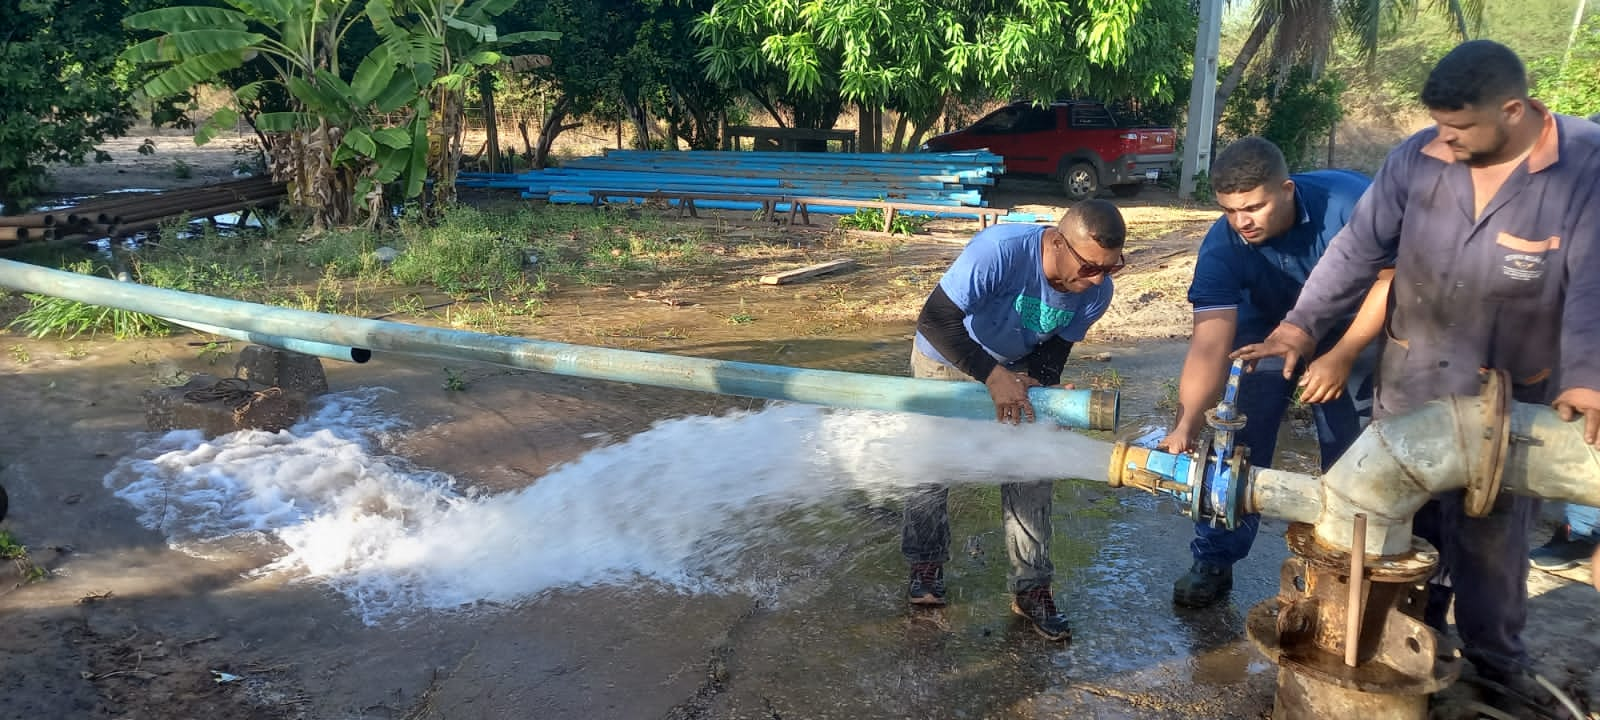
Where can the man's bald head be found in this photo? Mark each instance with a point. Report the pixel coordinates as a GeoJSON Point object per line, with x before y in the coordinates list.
{"type": "Point", "coordinates": [1096, 220]}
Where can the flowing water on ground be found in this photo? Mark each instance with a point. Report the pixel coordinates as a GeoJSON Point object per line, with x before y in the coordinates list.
{"type": "Point", "coordinates": [676, 504]}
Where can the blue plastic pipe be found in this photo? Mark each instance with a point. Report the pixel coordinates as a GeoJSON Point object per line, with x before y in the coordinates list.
{"type": "Point", "coordinates": [1095, 409]}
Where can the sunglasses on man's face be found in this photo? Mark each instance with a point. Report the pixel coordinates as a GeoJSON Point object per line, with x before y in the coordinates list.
{"type": "Point", "coordinates": [1088, 269]}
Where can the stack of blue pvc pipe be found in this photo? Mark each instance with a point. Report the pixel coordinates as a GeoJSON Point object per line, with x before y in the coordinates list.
{"type": "Point", "coordinates": [956, 178]}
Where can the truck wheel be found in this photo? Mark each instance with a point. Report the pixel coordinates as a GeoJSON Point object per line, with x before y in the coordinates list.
{"type": "Point", "coordinates": [1080, 181]}
{"type": "Point", "coordinates": [1128, 190]}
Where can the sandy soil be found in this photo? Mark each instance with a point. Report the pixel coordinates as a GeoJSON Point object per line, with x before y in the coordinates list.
{"type": "Point", "coordinates": [127, 628]}
{"type": "Point", "coordinates": [176, 162]}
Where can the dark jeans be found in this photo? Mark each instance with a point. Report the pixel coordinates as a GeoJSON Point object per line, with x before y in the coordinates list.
{"type": "Point", "coordinates": [1024, 508]}
{"type": "Point", "coordinates": [1483, 565]}
{"type": "Point", "coordinates": [1264, 396]}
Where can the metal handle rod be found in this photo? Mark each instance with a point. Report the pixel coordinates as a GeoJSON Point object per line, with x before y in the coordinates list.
{"type": "Point", "coordinates": [1358, 567]}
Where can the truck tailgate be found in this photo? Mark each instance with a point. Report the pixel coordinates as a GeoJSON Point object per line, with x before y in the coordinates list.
{"type": "Point", "coordinates": [1160, 141]}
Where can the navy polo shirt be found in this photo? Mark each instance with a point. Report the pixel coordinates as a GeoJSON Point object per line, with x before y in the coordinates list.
{"type": "Point", "coordinates": [1263, 281]}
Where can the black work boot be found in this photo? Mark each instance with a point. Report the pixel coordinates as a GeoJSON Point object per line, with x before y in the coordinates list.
{"type": "Point", "coordinates": [1038, 606]}
{"type": "Point", "coordinates": [927, 584]}
{"type": "Point", "coordinates": [1203, 586]}
{"type": "Point", "coordinates": [1563, 552]}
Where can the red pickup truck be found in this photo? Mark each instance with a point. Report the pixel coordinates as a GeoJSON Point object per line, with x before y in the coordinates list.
{"type": "Point", "coordinates": [1077, 142]}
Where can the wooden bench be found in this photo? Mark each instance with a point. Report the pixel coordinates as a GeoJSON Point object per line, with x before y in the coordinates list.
{"type": "Point", "coordinates": [891, 208]}
{"type": "Point", "coordinates": [686, 200]}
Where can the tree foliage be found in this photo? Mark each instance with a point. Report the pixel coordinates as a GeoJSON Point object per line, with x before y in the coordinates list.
{"type": "Point", "coordinates": [60, 94]}
{"type": "Point", "coordinates": [342, 148]}
{"type": "Point", "coordinates": [623, 59]}
{"type": "Point", "coordinates": [1571, 83]}
{"type": "Point", "coordinates": [913, 54]}
{"type": "Point", "coordinates": [1294, 111]}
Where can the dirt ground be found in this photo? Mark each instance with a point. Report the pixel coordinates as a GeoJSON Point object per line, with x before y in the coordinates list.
{"type": "Point", "coordinates": [126, 627]}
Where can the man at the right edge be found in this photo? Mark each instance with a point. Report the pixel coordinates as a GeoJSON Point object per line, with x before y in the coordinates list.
{"type": "Point", "coordinates": [1492, 216]}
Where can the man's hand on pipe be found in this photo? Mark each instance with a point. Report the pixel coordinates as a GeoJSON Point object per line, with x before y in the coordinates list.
{"type": "Point", "coordinates": [1177, 442]}
{"type": "Point", "coordinates": [1325, 379]}
{"type": "Point", "coordinates": [1287, 341]}
{"type": "Point", "coordinates": [1009, 390]}
{"type": "Point", "coordinates": [1574, 403]}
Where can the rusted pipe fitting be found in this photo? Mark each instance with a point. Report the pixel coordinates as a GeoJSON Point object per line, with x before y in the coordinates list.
{"type": "Point", "coordinates": [1398, 660]}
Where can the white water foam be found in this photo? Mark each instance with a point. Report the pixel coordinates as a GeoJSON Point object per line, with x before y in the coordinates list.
{"type": "Point", "coordinates": [676, 503]}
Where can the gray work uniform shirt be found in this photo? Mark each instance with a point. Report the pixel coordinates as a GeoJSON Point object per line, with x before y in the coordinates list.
{"type": "Point", "coordinates": [1517, 288]}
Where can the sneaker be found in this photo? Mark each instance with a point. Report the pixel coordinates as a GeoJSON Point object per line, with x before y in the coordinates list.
{"type": "Point", "coordinates": [1203, 586]}
{"type": "Point", "coordinates": [1563, 552]}
{"type": "Point", "coordinates": [1038, 606]}
{"type": "Point", "coordinates": [927, 584]}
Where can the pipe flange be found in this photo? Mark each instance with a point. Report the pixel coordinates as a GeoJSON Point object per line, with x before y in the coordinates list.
{"type": "Point", "coordinates": [1217, 423]}
{"type": "Point", "coordinates": [1234, 501]}
{"type": "Point", "coordinates": [1483, 484]}
{"type": "Point", "coordinates": [1119, 454]}
{"type": "Point", "coordinates": [1414, 565]}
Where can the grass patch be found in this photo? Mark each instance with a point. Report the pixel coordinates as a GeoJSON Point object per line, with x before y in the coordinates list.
{"type": "Point", "coordinates": [869, 218]}
{"type": "Point", "coordinates": [47, 315]}
{"type": "Point", "coordinates": [459, 255]}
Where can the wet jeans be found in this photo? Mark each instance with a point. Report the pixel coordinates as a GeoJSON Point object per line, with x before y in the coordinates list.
{"type": "Point", "coordinates": [1024, 508]}
{"type": "Point", "coordinates": [1264, 396]}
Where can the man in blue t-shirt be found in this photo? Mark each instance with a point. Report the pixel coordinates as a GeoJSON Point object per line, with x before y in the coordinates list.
{"type": "Point", "coordinates": [1006, 314]}
{"type": "Point", "coordinates": [1251, 266]}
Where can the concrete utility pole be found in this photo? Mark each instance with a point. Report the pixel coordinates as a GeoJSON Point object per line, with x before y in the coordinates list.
{"type": "Point", "coordinates": [1202, 97]}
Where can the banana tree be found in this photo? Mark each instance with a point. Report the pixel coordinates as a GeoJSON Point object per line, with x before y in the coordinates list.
{"type": "Point", "coordinates": [450, 42]}
{"type": "Point", "coordinates": [335, 149]}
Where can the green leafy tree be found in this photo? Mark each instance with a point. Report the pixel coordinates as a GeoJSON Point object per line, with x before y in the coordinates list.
{"type": "Point", "coordinates": [60, 89]}
{"type": "Point", "coordinates": [1571, 83]}
{"type": "Point", "coordinates": [1293, 111]}
{"type": "Point", "coordinates": [914, 54]}
{"type": "Point", "coordinates": [626, 60]}
{"type": "Point", "coordinates": [335, 151]}
{"type": "Point", "coordinates": [449, 43]}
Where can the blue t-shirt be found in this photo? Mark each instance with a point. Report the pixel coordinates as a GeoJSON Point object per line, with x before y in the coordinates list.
{"type": "Point", "coordinates": [1263, 281]}
{"type": "Point", "coordinates": [999, 282]}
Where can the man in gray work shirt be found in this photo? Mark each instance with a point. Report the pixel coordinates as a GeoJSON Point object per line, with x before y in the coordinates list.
{"type": "Point", "coordinates": [1492, 216]}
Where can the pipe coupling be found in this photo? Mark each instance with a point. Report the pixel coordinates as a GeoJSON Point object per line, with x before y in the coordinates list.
{"type": "Point", "coordinates": [1487, 471]}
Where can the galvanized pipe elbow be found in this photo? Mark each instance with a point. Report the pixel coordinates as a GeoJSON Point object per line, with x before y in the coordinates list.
{"type": "Point", "coordinates": [1394, 466]}
{"type": "Point", "coordinates": [1485, 445]}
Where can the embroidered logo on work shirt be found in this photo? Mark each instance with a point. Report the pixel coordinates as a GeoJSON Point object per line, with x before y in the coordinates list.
{"type": "Point", "coordinates": [1526, 259]}
{"type": "Point", "coordinates": [1523, 267]}
{"type": "Point", "coordinates": [1039, 317]}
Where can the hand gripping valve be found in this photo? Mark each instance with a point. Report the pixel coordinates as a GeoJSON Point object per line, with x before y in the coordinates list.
{"type": "Point", "coordinates": [1209, 484]}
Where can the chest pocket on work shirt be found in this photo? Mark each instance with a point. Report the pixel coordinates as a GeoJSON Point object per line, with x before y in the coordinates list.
{"type": "Point", "coordinates": [1518, 266]}
{"type": "Point", "coordinates": [1039, 317]}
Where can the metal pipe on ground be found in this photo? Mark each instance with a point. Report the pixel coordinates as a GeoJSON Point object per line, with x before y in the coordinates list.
{"type": "Point", "coordinates": [1094, 409]}
{"type": "Point", "coordinates": [103, 209]}
{"type": "Point", "coordinates": [129, 227]}
{"type": "Point", "coordinates": [29, 220]}
{"type": "Point", "coordinates": [196, 205]}
{"type": "Point", "coordinates": [18, 234]}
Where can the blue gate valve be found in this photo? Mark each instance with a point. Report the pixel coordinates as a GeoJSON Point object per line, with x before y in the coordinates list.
{"type": "Point", "coordinates": [1209, 485]}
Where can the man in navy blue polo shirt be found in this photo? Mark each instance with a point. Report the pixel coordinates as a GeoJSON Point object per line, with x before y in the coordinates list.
{"type": "Point", "coordinates": [1252, 264]}
{"type": "Point", "coordinates": [1006, 314]}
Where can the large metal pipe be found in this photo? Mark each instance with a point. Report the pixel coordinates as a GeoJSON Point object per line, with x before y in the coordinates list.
{"type": "Point", "coordinates": [1094, 409]}
{"type": "Point", "coordinates": [1484, 444]}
